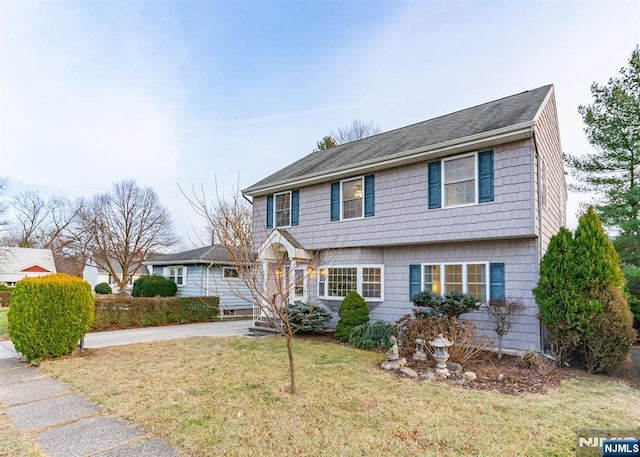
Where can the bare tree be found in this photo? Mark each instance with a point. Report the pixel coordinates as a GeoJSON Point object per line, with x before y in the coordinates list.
{"type": "Point", "coordinates": [4, 184]}
{"type": "Point", "coordinates": [268, 284]}
{"type": "Point", "coordinates": [123, 227]}
{"type": "Point", "coordinates": [356, 130]}
{"type": "Point", "coordinates": [501, 312]}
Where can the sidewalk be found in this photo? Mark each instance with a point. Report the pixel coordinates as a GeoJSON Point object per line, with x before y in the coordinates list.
{"type": "Point", "coordinates": [68, 425]}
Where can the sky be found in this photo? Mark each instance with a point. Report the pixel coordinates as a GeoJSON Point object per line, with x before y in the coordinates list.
{"type": "Point", "coordinates": [220, 94]}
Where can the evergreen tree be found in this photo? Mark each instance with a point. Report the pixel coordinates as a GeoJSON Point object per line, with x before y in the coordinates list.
{"type": "Point", "coordinates": [352, 312]}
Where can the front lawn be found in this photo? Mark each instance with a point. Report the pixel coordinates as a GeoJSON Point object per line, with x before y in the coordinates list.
{"type": "Point", "coordinates": [4, 333]}
{"type": "Point", "coordinates": [228, 396]}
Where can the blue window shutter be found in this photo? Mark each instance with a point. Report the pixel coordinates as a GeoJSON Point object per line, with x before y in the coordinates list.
{"type": "Point", "coordinates": [434, 185]}
{"type": "Point", "coordinates": [485, 176]}
{"type": "Point", "coordinates": [270, 211]}
{"type": "Point", "coordinates": [335, 201]}
{"type": "Point", "coordinates": [369, 195]}
{"type": "Point", "coordinates": [295, 198]}
{"type": "Point", "coordinates": [496, 281]}
{"type": "Point", "coordinates": [414, 280]}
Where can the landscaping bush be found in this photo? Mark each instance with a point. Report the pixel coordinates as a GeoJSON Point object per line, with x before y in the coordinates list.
{"type": "Point", "coordinates": [468, 344]}
{"type": "Point", "coordinates": [118, 311]}
{"type": "Point", "coordinates": [304, 317]}
{"type": "Point", "coordinates": [452, 304]}
{"type": "Point", "coordinates": [154, 286]}
{"type": "Point", "coordinates": [632, 276]}
{"type": "Point", "coordinates": [49, 314]}
{"type": "Point", "coordinates": [352, 312]}
{"type": "Point", "coordinates": [371, 336]}
{"type": "Point", "coordinates": [102, 289]}
{"type": "Point", "coordinates": [607, 342]}
{"type": "Point", "coordinates": [5, 297]}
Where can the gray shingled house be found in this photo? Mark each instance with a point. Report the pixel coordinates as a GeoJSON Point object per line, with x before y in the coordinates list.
{"type": "Point", "coordinates": [464, 201]}
{"type": "Point", "coordinates": [206, 271]}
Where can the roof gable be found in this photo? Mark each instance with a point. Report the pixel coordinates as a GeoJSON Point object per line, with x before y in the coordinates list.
{"type": "Point", "coordinates": [35, 269]}
{"type": "Point", "coordinates": [516, 110]}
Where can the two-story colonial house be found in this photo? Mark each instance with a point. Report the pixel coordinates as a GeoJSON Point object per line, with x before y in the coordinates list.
{"type": "Point", "coordinates": [464, 201]}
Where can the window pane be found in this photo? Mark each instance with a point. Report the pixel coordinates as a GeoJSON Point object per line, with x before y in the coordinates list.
{"type": "Point", "coordinates": [342, 281]}
{"type": "Point", "coordinates": [322, 279]}
{"type": "Point", "coordinates": [371, 283]}
{"type": "Point", "coordinates": [352, 199]}
{"type": "Point", "coordinates": [299, 283]}
{"type": "Point", "coordinates": [432, 278]}
{"type": "Point", "coordinates": [283, 210]}
{"type": "Point", "coordinates": [459, 181]}
{"type": "Point", "coordinates": [476, 281]}
{"type": "Point", "coordinates": [452, 278]}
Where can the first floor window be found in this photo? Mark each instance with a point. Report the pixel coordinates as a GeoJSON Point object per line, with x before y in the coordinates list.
{"type": "Point", "coordinates": [339, 281]}
{"type": "Point", "coordinates": [299, 283]}
{"type": "Point", "coordinates": [469, 278]}
{"type": "Point", "coordinates": [177, 274]}
{"type": "Point", "coordinates": [228, 272]}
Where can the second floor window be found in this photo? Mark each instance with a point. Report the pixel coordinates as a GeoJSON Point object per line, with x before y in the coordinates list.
{"type": "Point", "coordinates": [283, 209]}
{"type": "Point", "coordinates": [352, 197]}
{"type": "Point", "coordinates": [460, 181]}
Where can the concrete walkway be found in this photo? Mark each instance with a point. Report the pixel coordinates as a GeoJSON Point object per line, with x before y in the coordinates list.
{"type": "Point", "coordinates": [68, 425]}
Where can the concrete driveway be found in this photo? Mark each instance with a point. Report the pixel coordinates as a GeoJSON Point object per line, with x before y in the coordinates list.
{"type": "Point", "coordinates": [145, 335]}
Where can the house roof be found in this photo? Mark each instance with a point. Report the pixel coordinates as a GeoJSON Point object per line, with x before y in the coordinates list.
{"type": "Point", "coordinates": [492, 118]}
{"type": "Point", "coordinates": [26, 260]}
{"type": "Point", "coordinates": [208, 254]}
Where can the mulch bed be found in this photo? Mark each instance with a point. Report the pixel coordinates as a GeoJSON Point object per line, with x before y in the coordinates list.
{"type": "Point", "coordinates": [515, 379]}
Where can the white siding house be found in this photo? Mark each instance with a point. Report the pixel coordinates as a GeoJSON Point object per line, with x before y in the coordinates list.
{"type": "Point", "coordinates": [20, 263]}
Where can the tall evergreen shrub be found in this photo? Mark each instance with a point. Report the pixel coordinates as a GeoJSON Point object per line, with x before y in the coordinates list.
{"type": "Point", "coordinates": [49, 314]}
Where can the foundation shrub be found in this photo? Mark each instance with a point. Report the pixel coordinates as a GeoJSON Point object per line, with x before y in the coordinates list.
{"type": "Point", "coordinates": [371, 336]}
{"type": "Point", "coordinates": [352, 312]}
{"type": "Point", "coordinates": [102, 289]}
{"type": "Point", "coordinates": [450, 305]}
{"type": "Point", "coordinates": [308, 318]}
{"type": "Point", "coordinates": [154, 286]}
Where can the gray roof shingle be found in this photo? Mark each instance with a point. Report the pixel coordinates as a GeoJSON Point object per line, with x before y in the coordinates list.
{"type": "Point", "coordinates": [208, 254]}
{"type": "Point", "coordinates": [498, 114]}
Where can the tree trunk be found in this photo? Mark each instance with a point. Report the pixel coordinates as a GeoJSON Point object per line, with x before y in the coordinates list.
{"type": "Point", "coordinates": [499, 346]}
{"type": "Point", "coordinates": [292, 370]}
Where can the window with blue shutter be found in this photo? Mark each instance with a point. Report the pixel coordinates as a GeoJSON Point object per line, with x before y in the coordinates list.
{"type": "Point", "coordinates": [369, 195]}
{"type": "Point", "coordinates": [414, 280]}
{"type": "Point", "coordinates": [496, 281]}
{"type": "Point", "coordinates": [434, 184]}
{"type": "Point", "coordinates": [295, 198]}
{"type": "Point", "coordinates": [335, 201]}
{"type": "Point", "coordinates": [485, 176]}
{"type": "Point", "coordinates": [270, 211]}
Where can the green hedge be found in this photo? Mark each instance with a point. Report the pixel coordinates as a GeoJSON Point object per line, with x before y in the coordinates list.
{"type": "Point", "coordinates": [114, 312]}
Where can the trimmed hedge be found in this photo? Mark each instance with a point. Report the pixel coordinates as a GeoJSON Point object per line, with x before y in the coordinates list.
{"type": "Point", "coordinates": [103, 288]}
{"type": "Point", "coordinates": [113, 312]}
{"type": "Point", "coordinates": [154, 286]}
{"type": "Point", "coordinates": [49, 314]}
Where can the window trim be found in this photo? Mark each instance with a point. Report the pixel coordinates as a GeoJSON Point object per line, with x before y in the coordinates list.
{"type": "Point", "coordinates": [476, 179]}
{"type": "Point", "coordinates": [359, 281]}
{"type": "Point", "coordinates": [275, 210]}
{"type": "Point", "coordinates": [342, 181]}
{"type": "Point", "coordinates": [174, 278]}
{"type": "Point", "coordinates": [487, 274]}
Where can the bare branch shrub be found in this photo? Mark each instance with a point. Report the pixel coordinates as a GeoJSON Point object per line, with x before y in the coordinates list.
{"type": "Point", "coordinates": [501, 313]}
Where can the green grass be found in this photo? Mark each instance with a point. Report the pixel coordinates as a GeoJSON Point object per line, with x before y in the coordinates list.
{"type": "Point", "coordinates": [229, 396]}
{"type": "Point", "coordinates": [4, 333]}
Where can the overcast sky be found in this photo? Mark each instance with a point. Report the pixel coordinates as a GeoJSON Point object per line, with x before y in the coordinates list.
{"type": "Point", "coordinates": [186, 92]}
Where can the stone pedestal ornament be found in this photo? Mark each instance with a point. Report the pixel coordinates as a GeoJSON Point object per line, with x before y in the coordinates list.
{"type": "Point", "coordinates": [393, 362]}
{"type": "Point", "coordinates": [420, 346]}
{"type": "Point", "coordinates": [441, 354]}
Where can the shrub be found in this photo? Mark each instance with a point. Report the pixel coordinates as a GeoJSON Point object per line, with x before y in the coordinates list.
{"type": "Point", "coordinates": [304, 317]}
{"type": "Point", "coordinates": [102, 288]}
{"type": "Point", "coordinates": [607, 343]}
{"type": "Point", "coordinates": [468, 344]}
{"type": "Point", "coordinates": [49, 314]}
{"type": "Point", "coordinates": [632, 277]}
{"type": "Point", "coordinates": [452, 304]}
{"type": "Point", "coordinates": [117, 311]}
{"type": "Point", "coordinates": [154, 286]}
{"type": "Point", "coordinates": [371, 336]}
{"type": "Point", "coordinates": [352, 312]}
{"type": "Point", "coordinates": [501, 313]}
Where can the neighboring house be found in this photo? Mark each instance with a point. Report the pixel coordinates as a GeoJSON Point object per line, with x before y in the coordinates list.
{"type": "Point", "coordinates": [19, 263]}
{"type": "Point", "coordinates": [206, 271]}
{"type": "Point", "coordinates": [465, 201]}
{"type": "Point", "coordinates": [95, 274]}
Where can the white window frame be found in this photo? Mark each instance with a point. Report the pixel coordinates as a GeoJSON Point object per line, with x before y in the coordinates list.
{"type": "Point", "coordinates": [361, 216]}
{"type": "Point", "coordinates": [465, 275]}
{"type": "Point", "coordinates": [322, 294]}
{"type": "Point", "coordinates": [476, 179]}
{"type": "Point", "coordinates": [302, 270]}
{"type": "Point", "coordinates": [228, 269]}
{"type": "Point", "coordinates": [275, 210]}
{"type": "Point", "coordinates": [174, 275]}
